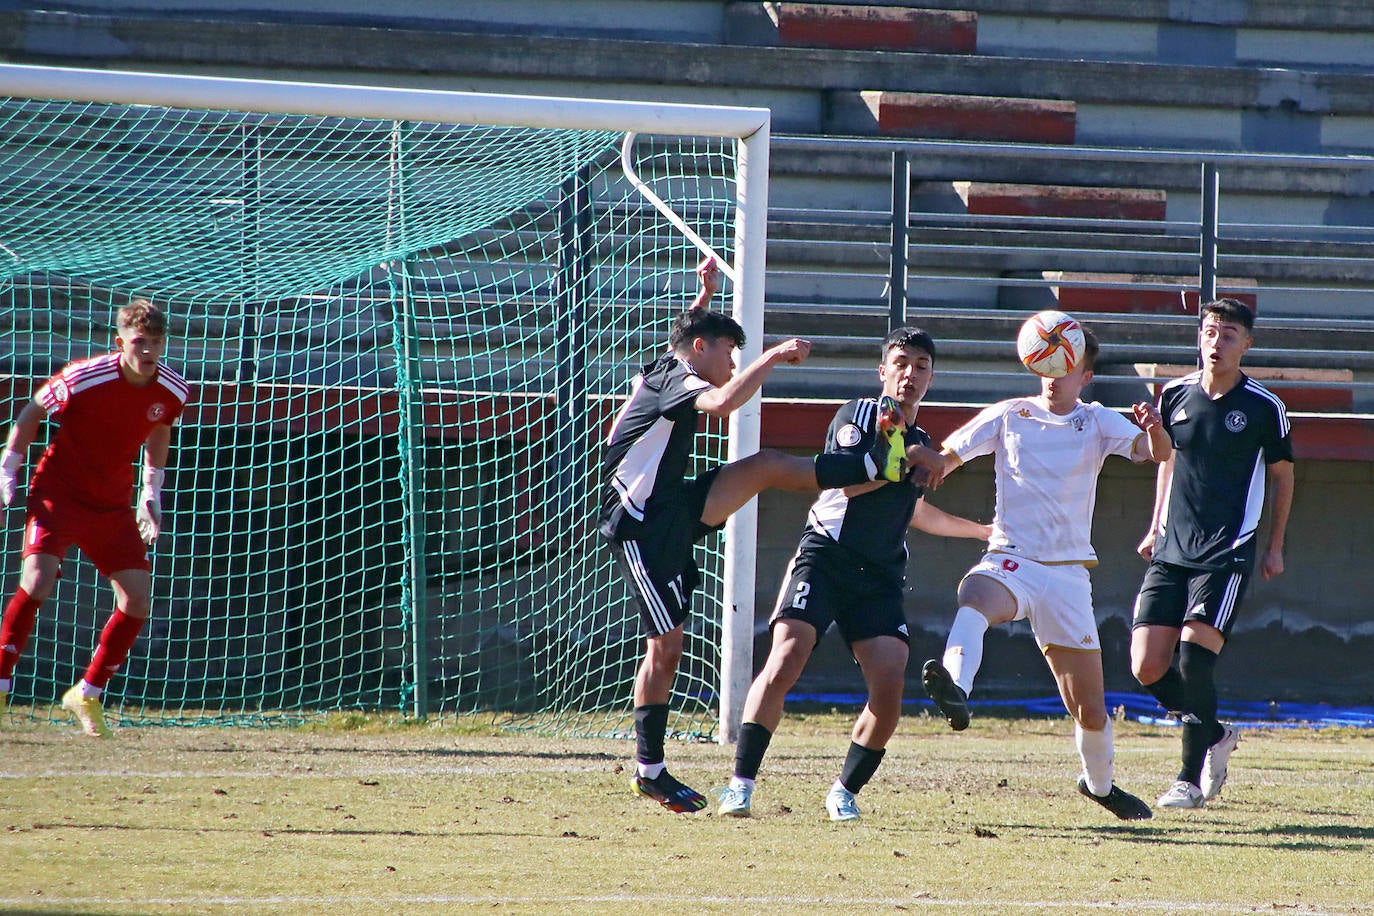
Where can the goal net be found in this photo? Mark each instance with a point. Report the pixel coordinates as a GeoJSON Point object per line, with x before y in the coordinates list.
{"type": "Point", "coordinates": [408, 317]}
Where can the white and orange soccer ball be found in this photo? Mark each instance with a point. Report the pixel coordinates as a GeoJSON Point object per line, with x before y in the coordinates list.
{"type": "Point", "coordinates": [1050, 343]}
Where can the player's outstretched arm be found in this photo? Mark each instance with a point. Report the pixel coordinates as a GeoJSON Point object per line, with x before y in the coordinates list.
{"type": "Point", "coordinates": [1280, 505]}
{"type": "Point", "coordinates": [1146, 548]}
{"type": "Point", "coordinates": [936, 521]}
{"type": "Point", "coordinates": [708, 273]}
{"type": "Point", "coordinates": [725, 400]}
{"type": "Point", "coordinates": [21, 436]}
{"type": "Point", "coordinates": [148, 509]}
{"type": "Point", "coordinates": [1160, 447]}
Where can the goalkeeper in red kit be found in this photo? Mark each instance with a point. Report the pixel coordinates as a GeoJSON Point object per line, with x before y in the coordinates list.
{"type": "Point", "coordinates": [108, 409]}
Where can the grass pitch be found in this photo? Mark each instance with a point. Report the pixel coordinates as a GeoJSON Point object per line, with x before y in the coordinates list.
{"type": "Point", "coordinates": [372, 816]}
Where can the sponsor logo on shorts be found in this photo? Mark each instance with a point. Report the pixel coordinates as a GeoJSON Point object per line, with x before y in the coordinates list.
{"type": "Point", "coordinates": [903, 630]}
{"type": "Point", "coordinates": [1236, 420]}
{"type": "Point", "coordinates": [1010, 565]}
{"type": "Point", "coordinates": [848, 436]}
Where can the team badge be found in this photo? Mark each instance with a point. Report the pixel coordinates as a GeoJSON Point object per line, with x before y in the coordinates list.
{"type": "Point", "coordinates": [156, 412]}
{"type": "Point", "coordinates": [1077, 423]}
{"type": "Point", "coordinates": [1236, 420]}
{"type": "Point", "coordinates": [848, 436]}
{"type": "Point", "coordinates": [59, 390]}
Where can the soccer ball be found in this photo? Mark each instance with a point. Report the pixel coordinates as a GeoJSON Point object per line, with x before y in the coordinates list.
{"type": "Point", "coordinates": [1050, 344]}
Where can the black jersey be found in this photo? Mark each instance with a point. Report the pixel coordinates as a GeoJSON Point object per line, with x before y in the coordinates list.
{"type": "Point", "coordinates": [650, 442]}
{"type": "Point", "coordinates": [1221, 449]}
{"type": "Point", "coordinates": [872, 525]}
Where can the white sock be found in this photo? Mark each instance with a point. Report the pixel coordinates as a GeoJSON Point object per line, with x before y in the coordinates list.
{"type": "Point", "coordinates": [739, 782]}
{"type": "Point", "coordinates": [88, 690]}
{"type": "Point", "coordinates": [964, 647]}
{"type": "Point", "coordinates": [1096, 750]}
{"type": "Point", "coordinates": [650, 770]}
{"type": "Point", "coordinates": [838, 786]}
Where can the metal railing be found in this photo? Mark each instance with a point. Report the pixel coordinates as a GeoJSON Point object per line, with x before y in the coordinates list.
{"type": "Point", "coordinates": [1299, 244]}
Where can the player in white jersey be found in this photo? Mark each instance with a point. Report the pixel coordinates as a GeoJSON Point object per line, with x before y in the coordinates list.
{"type": "Point", "coordinates": [1048, 452]}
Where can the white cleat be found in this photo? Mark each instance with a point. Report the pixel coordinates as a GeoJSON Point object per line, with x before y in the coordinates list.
{"type": "Point", "coordinates": [841, 804]}
{"type": "Point", "coordinates": [1214, 764]}
{"type": "Point", "coordinates": [1182, 795]}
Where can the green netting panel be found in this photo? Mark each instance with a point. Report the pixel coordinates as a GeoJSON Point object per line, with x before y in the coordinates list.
{"type": "Point", "coordinates": [406, 341]}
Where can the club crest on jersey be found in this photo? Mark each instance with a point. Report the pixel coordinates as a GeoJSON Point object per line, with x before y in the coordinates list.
{"type": "Point", "coordinates": [1236, 420]}
{"type": "Point", "coordinates": [157, 411]}
{"type": "Point", "coordinates": [848, 436]}
{"type": "Point", "coordinates": [59, 390]}
{"type": "Point", "coordinates": [1077, 424]}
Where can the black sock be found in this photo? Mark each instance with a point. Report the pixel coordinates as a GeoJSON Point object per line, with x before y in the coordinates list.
{"type": "Point", "coordinates": [651, 724]}
{"type": "Point", "coordinates": [1169, 691]}
{"type": "Point", "coordinates": [749, 751]}
{"type": "Point", "coordinates": [859, 766]}
{"type": "Point", "coordinates": [1200, 728]}
{"type": "Point", "coordinates": [839, 469]}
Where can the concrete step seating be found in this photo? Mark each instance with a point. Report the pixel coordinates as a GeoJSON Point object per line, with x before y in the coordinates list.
{"type": "Point", "coordinates": [859, 28]}
{"type": "Point", "coordinates": [1324, 391]}
{"type": "Point", "coordinates": [948, 116]}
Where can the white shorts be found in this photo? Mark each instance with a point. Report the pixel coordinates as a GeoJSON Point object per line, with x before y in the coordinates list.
{"type": "Point", "coordinates": [1057, 600]}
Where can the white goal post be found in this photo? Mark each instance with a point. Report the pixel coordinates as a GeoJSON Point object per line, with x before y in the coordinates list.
{"type": "Point", "coordinates": [749, 126]}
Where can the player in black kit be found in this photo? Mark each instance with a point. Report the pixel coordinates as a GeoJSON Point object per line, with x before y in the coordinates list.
{"type": "Point", "coordinates": [850, 568]}
{"type": "Point", "coordinates": [1229, 433]}
{"type": "Point", "coordinates": [652, 515]}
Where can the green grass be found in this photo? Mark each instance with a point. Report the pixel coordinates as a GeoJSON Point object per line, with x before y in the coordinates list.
{"type": "Point", "coordinates": [369, 815]}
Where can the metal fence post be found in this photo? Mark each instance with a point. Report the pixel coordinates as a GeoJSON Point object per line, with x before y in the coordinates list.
{"type": "Point", "coordinates": [901, 237]}
{"type": "Point", "coordinates": [1207, 229]}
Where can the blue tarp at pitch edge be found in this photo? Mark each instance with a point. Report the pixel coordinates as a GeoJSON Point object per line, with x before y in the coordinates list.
{"type": "Point", "coordinates": [1143, 708]}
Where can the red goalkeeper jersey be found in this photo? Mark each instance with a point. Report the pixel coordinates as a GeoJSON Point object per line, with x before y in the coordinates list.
{"type": "Point", "coordinates": [104, 421]}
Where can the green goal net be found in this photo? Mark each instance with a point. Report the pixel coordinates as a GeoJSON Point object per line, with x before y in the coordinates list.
{"type": "Point", "coordinates": [406, 338]}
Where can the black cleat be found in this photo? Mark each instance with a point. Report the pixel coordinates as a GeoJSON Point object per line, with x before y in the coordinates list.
{"type": "Point", "coordinates": [668, 792]}
{"type": "Point", "coordinates": [1121, 803]}
{"type": "Point", "coordinates": [949, 697]}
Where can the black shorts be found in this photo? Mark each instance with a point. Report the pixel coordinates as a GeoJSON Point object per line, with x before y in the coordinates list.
{"type": "Point", "coordinates": [654, 555]}
{"type": "Point", "coordinates": [830, 583]}
{"type": "Point", "coordinates": [1170, 595]}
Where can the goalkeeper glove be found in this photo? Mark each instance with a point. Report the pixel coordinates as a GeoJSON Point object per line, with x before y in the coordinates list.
{"type": "Point", "coordinates": [9, 475]}
{"type": "Point", "coordinates": [149, 514]}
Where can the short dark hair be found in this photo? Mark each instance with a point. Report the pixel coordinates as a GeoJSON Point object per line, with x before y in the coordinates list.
{"type": "Point", "coordinates": [1090, 348]}
{"type": "Point", "coordinates": [141, 315]}
{"type": "Point", "coordinates": [1232, 310]}
{"type": "Point", "coordinates": [699, 321]}
{"type": "Point", "coordinates": [908, 337]}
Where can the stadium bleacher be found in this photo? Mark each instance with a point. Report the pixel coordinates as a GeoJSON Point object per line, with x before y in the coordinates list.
{"type": "Point", "coordinates": [1047, 193]}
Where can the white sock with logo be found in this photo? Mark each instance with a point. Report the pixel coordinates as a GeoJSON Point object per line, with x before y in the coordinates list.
{"type": "Point", "coordinates": [964, 648]}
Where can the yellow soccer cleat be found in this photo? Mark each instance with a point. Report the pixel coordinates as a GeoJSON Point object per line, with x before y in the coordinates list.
{"type": "Point", "coordinates": [889, 445]}
{"type": "Point", "coordinates": [87, 711]}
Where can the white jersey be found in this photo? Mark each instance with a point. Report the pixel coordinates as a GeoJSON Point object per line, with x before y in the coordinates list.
{"type": "Point", "coordinates": [1047, 468]}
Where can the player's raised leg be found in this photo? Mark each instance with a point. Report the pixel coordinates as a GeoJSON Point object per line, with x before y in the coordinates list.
{"type": "Point", "coordinates": [983, 602]}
